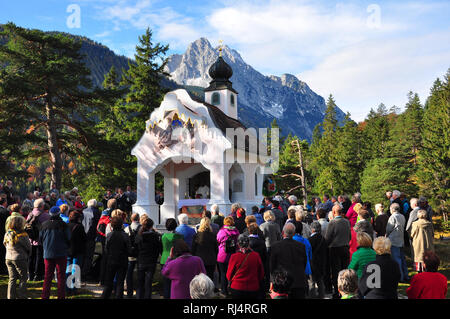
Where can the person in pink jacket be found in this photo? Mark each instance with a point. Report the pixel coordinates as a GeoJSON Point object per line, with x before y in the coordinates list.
{"type": "Point", "coordinates": [352, 214]}
{"type": "Point", "coordinates": [227, 231]}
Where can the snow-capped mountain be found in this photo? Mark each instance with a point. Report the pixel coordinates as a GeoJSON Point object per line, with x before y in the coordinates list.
{"type": "Point", "coordinates": [261, 98]}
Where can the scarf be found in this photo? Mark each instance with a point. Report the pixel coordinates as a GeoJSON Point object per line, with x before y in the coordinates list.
{"type": "Point", "coordinates": [13, 237]}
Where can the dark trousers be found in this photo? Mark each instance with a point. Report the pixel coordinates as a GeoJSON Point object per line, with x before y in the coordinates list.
{"type": "Point", "coordinates": [166, 284]}
{"type": "Point", "coordinates": [36, 263]}
{"type": "Point", "coordinates": [130, 282]}
{"type": "Point", "coordinates": [50, 265]}
{"type": "Point", "coordinates": [339, 259]}
{"type": "Point", "coordinates": [327, 275]}
{"type": "Point", "coordinates": [145, 279]}
{"type": "Point", "coordinates": [88, 258]}
{"type": "Point", "coordinates": [118, 271]}
{"type": "Point", "coordinates": [3, 268]}
{"type": "Point", "coordinates": [297, 293]}
{"type": "Point", "coordinates": [103, 264]}
{"type": "Point", "coordinates": [242, 294]}
{"type": "Point", "coordinates": [210, 269]}
{"type": "Point", "coordinates": [223, 267]}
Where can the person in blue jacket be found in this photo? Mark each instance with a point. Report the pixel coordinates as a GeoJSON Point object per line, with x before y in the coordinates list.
{"type": "Point", "coordinates": [55, 239]}
{"type": "Point", "coordinates": [298, 237]}
{"type": "Point", "coordinates": [183, 229]}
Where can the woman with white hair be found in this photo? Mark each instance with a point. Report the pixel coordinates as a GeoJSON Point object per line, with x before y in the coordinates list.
{"type": "Point", "coordinates": [422, 235]}
{"type": "Point", "coordinates": [201, 287]}
{"type": "Point", "coordinates": [271, 230]}
{"type": "Point", "coordinates": [383, 274]}
{"type": "Point", "coordinates": [300, 216]}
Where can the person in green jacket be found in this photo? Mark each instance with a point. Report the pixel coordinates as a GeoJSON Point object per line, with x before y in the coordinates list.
{"type": "Point", "coordinates": [168, 240]}
{"type": "Point", "coordinates": [364, 253]}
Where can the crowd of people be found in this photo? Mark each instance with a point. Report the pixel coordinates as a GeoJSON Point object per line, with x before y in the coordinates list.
{"type": "Point", "coordinates": [335, 247]}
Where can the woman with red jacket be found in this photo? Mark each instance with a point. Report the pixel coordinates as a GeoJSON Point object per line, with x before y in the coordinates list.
{"type": "Point", "coordinates": [245, 271]}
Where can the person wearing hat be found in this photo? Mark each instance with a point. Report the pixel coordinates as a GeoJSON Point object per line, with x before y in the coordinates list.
{"type": "Point", "coordinates": [55, 239]}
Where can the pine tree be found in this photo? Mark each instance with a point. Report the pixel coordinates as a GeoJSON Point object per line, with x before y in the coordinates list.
{"type": "Point", "coordinates": [434, 155]}
{"type": "Point", "coordinates": [45, 91]}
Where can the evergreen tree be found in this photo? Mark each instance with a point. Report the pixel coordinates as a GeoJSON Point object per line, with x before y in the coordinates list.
{"type": "Point", "coordinates": [434, 155]}
{"type": "Point", "coordinates": [45, 91]}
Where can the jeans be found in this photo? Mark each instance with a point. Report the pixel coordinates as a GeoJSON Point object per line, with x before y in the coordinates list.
{"type": "Point", "coordinates": [17, 270]}
{"type": "Point", "coordinates": [50, 265]}
{"type": "Point", "coordinates": [399, 256]}
{"type": "Point", "coordinates": [130, 283]}
{"type": "Point", "coordinates": [74, 268]}
{"type": "Point", "coordinates": [167, 286]}
{"type": "Point", "coordinates": [145, 280]}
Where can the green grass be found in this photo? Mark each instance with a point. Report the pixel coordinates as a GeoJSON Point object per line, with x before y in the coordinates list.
{"type": "Point", "coordinates": [34, 290]}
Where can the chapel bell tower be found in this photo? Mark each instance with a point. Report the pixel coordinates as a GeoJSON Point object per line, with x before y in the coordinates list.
{"type": "Point", "coordinates": [220, 91]}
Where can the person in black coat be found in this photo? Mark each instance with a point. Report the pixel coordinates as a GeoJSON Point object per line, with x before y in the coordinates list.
{"type": "Point", "coordinates": [239, 220]}
{"type": "Point", "coordinates": [149, 247]}
{"type": "Point", "coordinates": [380, 223]}
{"type": "Point", "coordinates": [319, 258]}
{"type": "Point", "coordinates": [380, 278]}
{"type": "Point", "coordinates": [77, 246]}
{"type": "Point", "coordinates": [4, 214]}
{"type": "Point", "coordinates": [258, 244]}
{"type": "Point", "coordinates": [117, 250]}
{"type": "Point", "coordinates": [205, 246]}
{"type": "Point", "coordinates": [290, 255]}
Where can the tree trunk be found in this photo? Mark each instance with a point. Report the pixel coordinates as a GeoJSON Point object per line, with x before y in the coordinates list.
{"type": "Point", "coordinates": [52, 141]}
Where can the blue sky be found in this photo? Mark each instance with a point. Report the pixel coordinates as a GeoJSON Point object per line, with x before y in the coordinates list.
{"type": "Point", "coordinates": [362, 52]}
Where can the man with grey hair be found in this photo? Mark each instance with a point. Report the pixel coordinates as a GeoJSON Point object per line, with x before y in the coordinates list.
{"type": "Point", "coordinates": [185, 230]}
{"type": "Point", "coordinates": [292, 200]}
{"type": "Point", "coordinates": [338, 236]}
{"type": "Point", "coordinates": [396, 199]}
{"type": "Point", "coordinates": [216, 218]}
{"type": "Point", "coordinates": [234, 208]}
{"type": "Point", "coordinates": [201, 287]}
{"type": "Point", "coordinates": [414, 202]}
{"type": "Point", "coordinates": [91, 216]}
{"type": "Point", "coordinates": [395, 232]}
{"type": "Point", "coordinates": [290, 255]}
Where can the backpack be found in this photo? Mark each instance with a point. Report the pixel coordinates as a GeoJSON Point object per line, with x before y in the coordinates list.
{"type": "Point", "coordinates": [32, 227]}
{"type": "Point", "coordinates": [230, 245]}
{"type": "Point", "coordinates": [133, 233]}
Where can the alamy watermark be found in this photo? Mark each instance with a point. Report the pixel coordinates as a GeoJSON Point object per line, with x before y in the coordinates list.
{"type": "Point", "coordinates": [74, 19]}
{"type": "Point", "coordinates": [374, 19]}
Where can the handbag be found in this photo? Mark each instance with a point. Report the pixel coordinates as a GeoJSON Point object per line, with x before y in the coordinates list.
{"type": "Point", "coordinates": [240, 266]}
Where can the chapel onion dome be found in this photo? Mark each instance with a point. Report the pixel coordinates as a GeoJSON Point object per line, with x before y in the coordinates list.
{"type": "Point", "coordinates": [220, 73]}
{"type": "Point", "coordinates": [220, 70]}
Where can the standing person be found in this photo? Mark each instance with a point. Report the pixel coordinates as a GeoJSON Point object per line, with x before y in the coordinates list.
{"type": "Point", "coordinates": [271, 230]}
{"type": "Point", "coordinates": [322, 219]}
{"type": "Point", "coordinates": [55, 239]}
{"type": "Point", "coordinates": [381, 220]}
{"type": "Point", "coordinates": [290, 255]}
{"type": "Point", "coordinates": [396, 200]}
{"type": "Point", "coordinates": [298, 237]}
{"type": "Point", "coordinates": [64, 212]}
{"type": "Point", "coordinates": [413, 214]}
{"type": "Point", "coordinates": [216, 217]}
{"type": "Point", "coordinates": [280, 217]}
{"type": "Point", "coordinates": [245, 271]}
{"type": "Point", "coordinates": [117, 250]}
{"type": "Point", "coordinates": [422, 235]}
{"type": "Point", "coordinates": [258, 216]}
{"type": "Point", "coordinates": [33, 225]}
{"type": "Point", "coordinates": [239, 221]}
{"type": "Point", "coordinates": [15, 211]}
{"type": "Point", "coordinates": [3, 217]}
{"type": "Point", "coordinates": [257, 243]}
{"type": "Point", "coordinates": [204, 245]}
{"type": "Point", "coordinates": [201, 287]}
{"type": "Point", "coordinates": [168, 239]}
{"type": "Point", "coordinates": [181, 267]}
{"type": "Point", "coordinates": [183, 229]}
{"type": "Point", "coordinates": [388, 270]}
{"type": "Point", "coordinates": [132, 231]}
{"type": "Point", "coordinates": [338, 237]}
{"type": "Point", "coordinates": [77, 246]}
{"type": "Point", "coordinates": [363, 255]}
{"type": "Point", "coordinates": [319, 258]}
{"type": "Point", "coordinates": [149, 247]}
{"type": "Point", "coordinates": [227, 241]}
{"type": "Point", "coordinates": [91, 216]}
{"type": "Point", "coordinates": [18, 250]}
{"type": "Point", "coordinates": [394, 231]}
{"type": "Point", "coordinates": [345, 202]}
{"type": "Point", "coordinates": [428, 284]}
{"type": "Point", "coordinates": [300, 216]}
{"type": "Point", "coordinates": [364, 224]}
{"type": "Point", "coordinates": [351, 214]}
